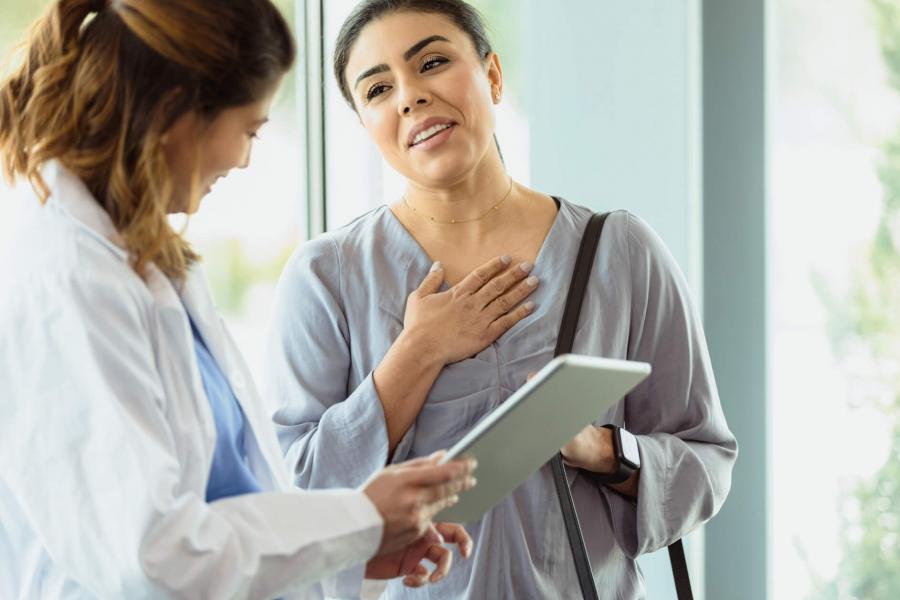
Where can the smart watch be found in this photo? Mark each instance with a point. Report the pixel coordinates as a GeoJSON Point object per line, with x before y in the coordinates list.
{"type": "Point", "coordinates": [628, 458]}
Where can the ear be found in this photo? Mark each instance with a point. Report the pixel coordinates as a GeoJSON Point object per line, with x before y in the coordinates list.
{"type": "Point", "coordinates": [184, 129]}
{"type": "Point", "coordinates": [495, 76]}
{"type": "Point", "coordinates": [181, 125]}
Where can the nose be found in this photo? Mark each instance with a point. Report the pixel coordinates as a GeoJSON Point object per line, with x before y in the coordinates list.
{"type": "Point", "coordinates": [245, 161]}
{"type": "Point", "coordinates": [412, 98]}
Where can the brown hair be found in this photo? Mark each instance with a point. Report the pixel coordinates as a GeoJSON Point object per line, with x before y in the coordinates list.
{"type": "Point", "coordinates": [102, 80]}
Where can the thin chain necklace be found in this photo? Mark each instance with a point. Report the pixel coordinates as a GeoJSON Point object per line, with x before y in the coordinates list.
{"type": "Point", "coordinates": [458, 221]}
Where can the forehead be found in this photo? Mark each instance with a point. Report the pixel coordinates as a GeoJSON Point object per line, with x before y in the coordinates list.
{"type": "Point", "coordinates": [384, 40]}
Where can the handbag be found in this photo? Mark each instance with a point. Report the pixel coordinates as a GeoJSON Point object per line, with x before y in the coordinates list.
{"type": "Point", "coordinates": [564, 341]}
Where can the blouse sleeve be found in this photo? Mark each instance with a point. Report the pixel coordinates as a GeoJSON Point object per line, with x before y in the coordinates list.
{"type": "Point", "coordinates": [331, 436]}
{"type": "Point", "coordinates": [687, 451]}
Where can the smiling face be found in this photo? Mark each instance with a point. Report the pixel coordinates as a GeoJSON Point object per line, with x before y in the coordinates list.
{"type": "Point", "coordinates": [425, 96]}
{"type": "Point", "coordinates": [210, 150]}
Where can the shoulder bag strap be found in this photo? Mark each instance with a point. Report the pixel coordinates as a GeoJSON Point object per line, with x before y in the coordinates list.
{"type": "Point", "coordinates": [564, 342]}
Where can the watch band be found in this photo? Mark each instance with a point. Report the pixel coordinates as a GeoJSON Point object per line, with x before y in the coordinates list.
{"type": "Point", "coordinates": [623, 469]}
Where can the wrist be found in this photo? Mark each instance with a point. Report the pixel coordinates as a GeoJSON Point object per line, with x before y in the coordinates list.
{"type": "Point", "coordinates": [421, 345]}
{"type": "Point", "coordinates": [606, 461]}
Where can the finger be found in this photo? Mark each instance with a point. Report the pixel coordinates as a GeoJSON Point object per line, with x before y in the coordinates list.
{"type": "Point", "coordinates": [441, 557]}
{"type": "Point", "coordinates": [418, 578]}
{"type": "Point", "coordinates": [503, 304]}
{"type": "Point", "coordinates": [454, 533]}
{"type": "Point", "coordinates": [500, 284]}
{"type": "Point", "coordinates": [530, 376]}
{"type": "Point", "coordinates": [433, 508]}
{"type": "Point", "coordinates": [505, 323]}
{"type": "Point", "coordinates": [413, 556]}
{"type": "Point", "coordinates": [477, 279]}
{"type": "Point", "coordinates": [449, 489]}
{"type": "Point", "coordinates": [430, 475]}
{"type": "Point", "coordinates": [432, 282]}
{"type": "Point", "coordinates": [431, 459]}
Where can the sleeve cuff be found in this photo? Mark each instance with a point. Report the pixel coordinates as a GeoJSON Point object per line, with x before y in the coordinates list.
{"type": "Point", "coordinates": [641, 527]}
{"type": "Point", "coordinates": [351, 441]}
{"type": "Point", "coordinates": [350, 583]}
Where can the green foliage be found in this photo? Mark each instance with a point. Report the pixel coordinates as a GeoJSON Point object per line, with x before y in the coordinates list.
{"type": "Point", "coordinates": [867, 323]}
{"type": "Point", "coordinates": [871, 567]}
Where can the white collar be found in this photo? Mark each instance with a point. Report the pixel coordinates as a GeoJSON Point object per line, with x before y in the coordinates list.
{"type": "Point", "coordinates": [69, 193]}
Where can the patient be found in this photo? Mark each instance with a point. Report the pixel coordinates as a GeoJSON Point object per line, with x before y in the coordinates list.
{"type": "Point", "coordinates": [368, 368]}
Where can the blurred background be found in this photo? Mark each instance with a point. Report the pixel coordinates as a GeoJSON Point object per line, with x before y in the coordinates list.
{"type": "Point", "coordinates": [761, 139]}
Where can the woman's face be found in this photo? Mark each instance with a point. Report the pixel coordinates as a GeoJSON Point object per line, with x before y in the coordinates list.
{"type": "Point", "coordinates": [211, 149]}
{"type": "Point", "coordinates": [424, 95]}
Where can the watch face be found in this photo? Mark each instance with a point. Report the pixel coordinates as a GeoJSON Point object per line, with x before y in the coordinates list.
{"type": "Point", "coordinates": [630, 448]}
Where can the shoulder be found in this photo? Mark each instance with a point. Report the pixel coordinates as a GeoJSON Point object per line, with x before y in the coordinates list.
{"type": "Point", "coordinates": [363, 243]}
{"type": "Point", "coordinates": [53, 263]}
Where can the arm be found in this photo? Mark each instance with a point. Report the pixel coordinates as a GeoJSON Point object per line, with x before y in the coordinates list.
{"type": "Point", "coordinates": [333, 436]}
{"type": "Point", "coordinates": [687, 451]}
{"type": "Point", "coordinates": [88, 451]}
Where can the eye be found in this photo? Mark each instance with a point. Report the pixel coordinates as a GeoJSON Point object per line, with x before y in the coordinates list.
{"type": "Point", "coordinates": [433, 63]}
{"type": "Point", "coordinates": [376, 90]}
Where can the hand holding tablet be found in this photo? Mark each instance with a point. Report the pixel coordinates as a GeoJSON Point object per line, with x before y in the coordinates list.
{"type": "Point", "coordinates": [523, 433]}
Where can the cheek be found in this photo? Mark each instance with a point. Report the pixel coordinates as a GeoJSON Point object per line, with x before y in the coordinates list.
{"type": "Point", "coordinates": [223, 153]}
{"type": "Point", "coordinates": [383, 130]}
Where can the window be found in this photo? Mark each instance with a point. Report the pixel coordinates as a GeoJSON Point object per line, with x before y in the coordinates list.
{"type": "Point", "coordinates": [835, 346]}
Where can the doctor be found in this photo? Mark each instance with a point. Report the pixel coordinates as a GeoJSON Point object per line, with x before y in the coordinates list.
{"type": "Point", "coordinates": [136, 459]}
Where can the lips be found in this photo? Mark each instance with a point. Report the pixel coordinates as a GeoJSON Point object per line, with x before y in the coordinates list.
{"type": "Point", "coordinates": [430, 127]}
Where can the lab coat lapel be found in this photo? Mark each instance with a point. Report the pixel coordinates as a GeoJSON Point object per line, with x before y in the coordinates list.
{"type": "Point", "coordinates": [196, 299]}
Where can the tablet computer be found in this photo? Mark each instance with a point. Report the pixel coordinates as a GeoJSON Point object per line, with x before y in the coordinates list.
{"type": "Point", "coordinates": [522, 434]}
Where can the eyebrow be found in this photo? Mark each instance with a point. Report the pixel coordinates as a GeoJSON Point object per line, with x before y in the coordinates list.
{"type": "Point", "coordinates": [413, 50]}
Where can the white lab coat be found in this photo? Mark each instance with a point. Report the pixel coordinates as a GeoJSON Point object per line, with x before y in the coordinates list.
{"type": "Point", "coordinates": [106, 436]}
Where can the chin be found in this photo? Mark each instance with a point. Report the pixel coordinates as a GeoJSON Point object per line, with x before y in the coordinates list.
{"type": "Point", "coordinates": [444, 171]}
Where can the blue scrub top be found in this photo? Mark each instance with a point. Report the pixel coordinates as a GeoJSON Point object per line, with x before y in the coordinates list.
{"type": "Point", "coordinates": [230, 474]}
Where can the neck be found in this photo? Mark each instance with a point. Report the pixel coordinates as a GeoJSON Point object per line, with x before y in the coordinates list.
{"type": "Point", "coordinates": [467, 204]}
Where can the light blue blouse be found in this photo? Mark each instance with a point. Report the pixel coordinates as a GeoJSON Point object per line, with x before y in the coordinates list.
{"type": "Point", "coordinates": [340, 306]}
{"type": "Point", "coordinates": [230, 474]}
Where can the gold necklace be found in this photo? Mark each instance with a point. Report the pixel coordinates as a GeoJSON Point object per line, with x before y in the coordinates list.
{"type": "Point", "coordinates": [458, 221]}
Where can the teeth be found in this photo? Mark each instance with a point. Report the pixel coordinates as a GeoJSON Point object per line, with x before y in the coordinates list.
{"type": "Point", "coordinates": [429, 132]}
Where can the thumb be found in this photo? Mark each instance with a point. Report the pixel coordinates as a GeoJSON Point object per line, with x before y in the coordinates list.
{"type": "Point", "coordinates": [432, 282]}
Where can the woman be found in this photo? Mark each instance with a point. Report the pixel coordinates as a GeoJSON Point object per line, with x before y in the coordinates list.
{"type": "Point", "coordinates": [136, 459]}
{"type": "Point", "coordinates": [423, 80]}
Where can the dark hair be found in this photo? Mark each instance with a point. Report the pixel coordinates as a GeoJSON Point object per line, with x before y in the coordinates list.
{"type": "Point", "coordinates": [464, 15]}
{"type": "Point", "coordinates": [102, 80]}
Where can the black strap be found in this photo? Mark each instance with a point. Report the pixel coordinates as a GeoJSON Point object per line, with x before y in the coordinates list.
{"type": "Point", "coordinates": [564, 342]}
{"type": "Point", "coordinates": [680, 571]}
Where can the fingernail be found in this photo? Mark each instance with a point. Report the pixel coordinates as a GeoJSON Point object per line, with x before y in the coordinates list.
{"type": "Point", "coordinates": [473, 464]}
{"type": "Point", "coordinates": [437, 266]}
{"type": "Point", "coordinates": [526, 267]}
{"type": "Point", "coordinates": [506, 259]}
{"type": "Point", "coordinates": [454, 500]}
{"type": "Point", "coordinates": [471, 482]}
{"type": "Point", "coordinates": [532, 281]}
{"type": "Point", "coordinates": [529, 306]}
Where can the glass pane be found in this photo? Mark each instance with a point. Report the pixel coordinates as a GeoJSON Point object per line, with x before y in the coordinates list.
{"type": "Point", "coordinates": [250, 223]}
{"type": "Point", "coordinates": [16, 16]}
{"type": "Point", "coordinates": [835, 290]}
{"type": "Point", "coordinates": [349, 150]}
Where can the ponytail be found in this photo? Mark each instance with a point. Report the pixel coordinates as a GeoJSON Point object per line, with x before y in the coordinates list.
{"type": "Point", "coordinates": [33, 100]}
{"type": "Point", "coordinates": [100, 83]}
